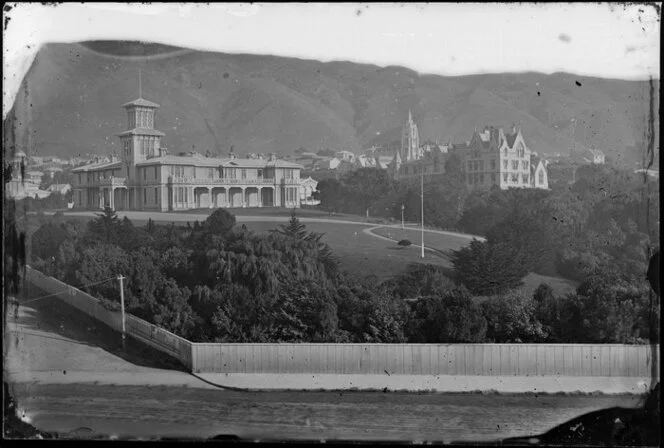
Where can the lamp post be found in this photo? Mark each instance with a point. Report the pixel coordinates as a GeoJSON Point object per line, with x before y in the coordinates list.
{"type": "Point", "coordinates": [124, 346]}
{"type": "Point", "coordinates": [402, 209]}
{"type": "Point", "coordinates": [422, 205]}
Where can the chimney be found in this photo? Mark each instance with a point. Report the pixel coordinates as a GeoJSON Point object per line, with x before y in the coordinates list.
{"type": "Point", "coordinates": [273, 157]}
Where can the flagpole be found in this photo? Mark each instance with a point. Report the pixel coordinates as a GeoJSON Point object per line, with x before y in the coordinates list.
{"type": "Point", "coordinates": [422, 204]}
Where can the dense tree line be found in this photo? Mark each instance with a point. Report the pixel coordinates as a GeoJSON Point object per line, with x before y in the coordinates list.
{"type": "Point", "coordinates": [217, 281]}
{"type": "Point", "coordinates": [607, 221]}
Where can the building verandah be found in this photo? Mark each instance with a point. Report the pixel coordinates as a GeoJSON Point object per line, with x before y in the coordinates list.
{"type": "Point", "coordinates": [193, 196]}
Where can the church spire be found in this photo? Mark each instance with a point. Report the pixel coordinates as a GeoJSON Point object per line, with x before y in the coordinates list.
{"type": "Point", "coordinates": [410, 116]}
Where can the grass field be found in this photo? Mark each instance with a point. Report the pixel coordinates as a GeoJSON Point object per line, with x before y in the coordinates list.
{"type": "Point", "coordinates": [361, 254]}
{"type": "Point", "coordinates": [447, 243]}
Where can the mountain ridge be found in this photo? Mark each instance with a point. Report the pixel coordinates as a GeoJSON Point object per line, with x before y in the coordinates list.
{"type": "Point", "coordinates": [256, 103]}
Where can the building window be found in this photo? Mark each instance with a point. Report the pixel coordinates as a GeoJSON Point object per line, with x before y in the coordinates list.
{"type": "Point", "coordinates": [515, 178]}
{"type": "Point", "coordinates": [505, 177]}
{"type": "Point", "coordinates": [526, 179]}
{"type": "Point", "coordinates": [145, 175]}
{"type": "Point", "coordinates": [155, 195]}
{"type": "Point", "coordinates": [515, 164]}
{"type": "Point", "coordinates": [260, 174]}
{"type": "Point", "coordinates": [481, 165]}
{"type": "Point", "coordinates": [470, 166]}
{"type": "Point", "coordinates": [482, 178]}
{"type": "Point", "coordinates": [541, 177]}
{"type": "Point", "coordinates": [493, 164]}
{"type": "Point", "coordinates": [505, 164]}
{"type": "Point", "coordinates": [156, 176]}
{"type": "Point", "coordinates": [493, 178]}
{"type": "Point", "coordinates": [145, 196]}
{"type": "Point", "coordinates": [211, 173]}
{"type": "Point", "coordinates": [244, 173]}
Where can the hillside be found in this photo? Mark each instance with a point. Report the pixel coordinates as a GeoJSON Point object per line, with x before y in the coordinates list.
{"type": "Point", "coordinates": [210, 101]}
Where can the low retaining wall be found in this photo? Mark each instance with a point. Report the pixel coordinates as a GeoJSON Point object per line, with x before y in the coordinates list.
{"type": "Point", "coordinates": [431, 383]}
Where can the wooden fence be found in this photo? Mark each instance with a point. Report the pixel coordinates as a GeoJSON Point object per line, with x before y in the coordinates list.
{"type": "Point", "coordinates": [161, 339]}
{"type": "Point", "coordinates": [588, 360]}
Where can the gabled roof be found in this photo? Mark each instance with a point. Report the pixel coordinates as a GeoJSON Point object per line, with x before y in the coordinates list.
{"type": "Point", "coordinates": [98, 166]}
{"type": "Point", "coordinates": [511, 138]}
{"type": "Point", "coordinates": [182, 160]}
{"type": "Point", "coordinates": [142, 131]}
{"type": "Point", "coordinates": [140, 102]}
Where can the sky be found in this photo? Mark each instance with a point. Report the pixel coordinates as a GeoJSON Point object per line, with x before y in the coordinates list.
{"type": "Point", "coordinates": [603, 40]}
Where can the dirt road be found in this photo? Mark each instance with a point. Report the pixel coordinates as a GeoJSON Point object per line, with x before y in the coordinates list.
{"type": "Point", "coordinates": [141, 394]}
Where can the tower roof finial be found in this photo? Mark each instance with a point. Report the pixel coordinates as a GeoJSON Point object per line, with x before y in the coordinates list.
{"type": "Point", "coordinates": [140, 92]}
{"type": "Point", "coordinates": [410, 116]}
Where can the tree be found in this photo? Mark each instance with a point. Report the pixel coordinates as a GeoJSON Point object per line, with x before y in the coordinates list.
{"type": "Point", "coordinates": [422, 280]}
{"type": "Point", "coordinates": [46, 241]}
{"type": "Point", "coordinates": [294, 228]}
{"type": "Point", "coordinates": [449, 318]}
{"type": "Point", "coordinates": [489, 268]}
{"type": "Point", "coordinates": [220, 222]}
{"type": "Point", "coordinates": [512, 317]}
{"type": "Point", "coordinates": [303, 312]}
{"type": "Point", "coordinates": [99, 264]}
{"type": "Point", "coordinates": [106, 226]}
{"type": "Point", "coordinates": [331, 195]}
{"type": "Point", "coordinates": [366, 185]}
{"type": "Point", "coordinates": [602, 310]}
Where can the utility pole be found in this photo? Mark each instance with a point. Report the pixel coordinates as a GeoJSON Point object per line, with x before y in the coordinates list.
{"type": "Point", "coordinates": [422, 204]}
{"type": "Point", "coordinates": [121, 278]}
{"type": "Point", "coordinates": [402, 208]}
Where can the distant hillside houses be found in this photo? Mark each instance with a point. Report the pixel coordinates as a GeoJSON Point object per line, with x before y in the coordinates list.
{"type": "Point", "coordinates": [598, 157]}
{"type": "Point", "coordinates": [21, 183]}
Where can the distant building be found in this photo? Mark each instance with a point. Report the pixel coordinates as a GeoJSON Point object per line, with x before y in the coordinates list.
{"type": "Point", "coordinates": [598, 157]}
{"type": "Point", "coordinates": [147, 177]}
{"type": "Point", "coordinates": [307, 188]}
{"type": "Point", "coordinates": [51, 170]}
{"type": "Point", "coordinates": [59, 188]}
{"type": "Point", "coordinates": [23, 184]}
{"type": "Point", "coordinates": [410, 141]}
{"type": "Point", "coordinates": [345, 155]}
{"type": "Point", "coordinates": [431, 163]}
{"type": "Point", "coordinates": [34, 177]}
{"type": "Point", "coordinates": [494, 158]}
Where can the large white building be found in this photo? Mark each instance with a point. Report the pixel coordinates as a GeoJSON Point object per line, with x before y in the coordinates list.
{"type": "Point", "coordinates": [495, 158]}
{"type": "Point", "coordinates": [490, 158]}
{"type": "Point", "coordinates": [146, 177]}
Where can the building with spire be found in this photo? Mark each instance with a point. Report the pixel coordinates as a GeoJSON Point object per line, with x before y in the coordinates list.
{"type": "Point", "coordinates": [147, 177]}
{"type": "Point", "coordinates": [410, 141]}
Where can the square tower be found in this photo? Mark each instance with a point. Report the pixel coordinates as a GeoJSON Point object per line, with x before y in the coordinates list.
{"type": "Point", "coordinates": [141, 140]}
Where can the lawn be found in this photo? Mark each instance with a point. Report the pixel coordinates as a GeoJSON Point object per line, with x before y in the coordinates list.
{"type": "Point", "coordinates": [447, 243]}
{"type": "Point", "coordinates": [361, 254]}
